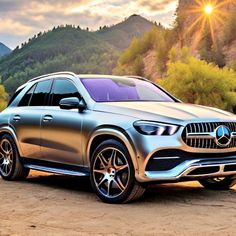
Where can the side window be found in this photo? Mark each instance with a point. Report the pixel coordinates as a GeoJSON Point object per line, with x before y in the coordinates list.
{"type": "Point", "coordinates": [26, 98]}
{"type": "Point", "coordinates": [41, 93]}
{"type": "Point", "coordinates": [63, 89]}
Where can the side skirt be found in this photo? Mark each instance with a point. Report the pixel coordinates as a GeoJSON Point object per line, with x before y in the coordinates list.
{"type": "Point", "coordinates": [57, 168]}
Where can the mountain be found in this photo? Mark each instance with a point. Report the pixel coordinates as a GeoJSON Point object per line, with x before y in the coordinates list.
{"type": "Point", "coordinates": [120, 35]}
{"type": "Point", "coordinates": [70, 48]}
{"type": "Point", "coordinates": [4, 50]}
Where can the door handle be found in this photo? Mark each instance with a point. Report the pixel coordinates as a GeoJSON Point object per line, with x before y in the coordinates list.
{"type": "Point", "coordinates": [16, 118]}
{"type": "Point", "coordinates": [47, 118]}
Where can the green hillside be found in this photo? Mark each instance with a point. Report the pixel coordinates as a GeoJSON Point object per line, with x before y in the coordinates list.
{"type": "Point", "coordinates": [70, 48]}
{"type": "Point", "coordinates": [121, 34]}
{"type": "Point", "coordinates": [64, 48]}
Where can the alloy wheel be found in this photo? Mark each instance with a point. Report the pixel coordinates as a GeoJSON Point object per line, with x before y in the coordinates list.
{"type": "Point", "coordinates": [6, 157]}
{"type": "Point", "coordinates": [111, 172]}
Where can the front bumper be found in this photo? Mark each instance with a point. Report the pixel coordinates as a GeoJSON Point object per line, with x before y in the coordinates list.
{"type": "Point", "coordinates": [169, 159]}
{"type": "Point", "coordinates": [195, 169]}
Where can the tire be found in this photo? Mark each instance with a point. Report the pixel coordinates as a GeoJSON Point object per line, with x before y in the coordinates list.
{"type": "Point", "coordinates": [112, 174]}
{"type": "Point", "coordinates": [224, 183]}
{"type": "Point", "coordinates": [10, 165]}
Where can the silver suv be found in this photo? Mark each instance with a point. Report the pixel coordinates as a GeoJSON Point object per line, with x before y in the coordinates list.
{"type": "Point", "coordinates": [123, 132]}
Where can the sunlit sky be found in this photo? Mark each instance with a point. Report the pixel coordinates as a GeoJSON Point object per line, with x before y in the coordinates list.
{"type": "Point", "coordinates": [21, 19]}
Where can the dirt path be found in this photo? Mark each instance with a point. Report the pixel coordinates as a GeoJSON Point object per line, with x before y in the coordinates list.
{"type": "Point", "coordinates": [57, 205]}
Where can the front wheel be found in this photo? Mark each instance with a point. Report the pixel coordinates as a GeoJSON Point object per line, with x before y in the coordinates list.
{"type": "Point", "coordinates": [112, 174]}
{"type": "Point", "coordinates": [219, 183]}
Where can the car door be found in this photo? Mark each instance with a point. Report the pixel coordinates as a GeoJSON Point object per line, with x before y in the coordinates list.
{"type": "Point", "coordinates": [26, 118]}
{"type": "Point", "coordinates": [61, 129]}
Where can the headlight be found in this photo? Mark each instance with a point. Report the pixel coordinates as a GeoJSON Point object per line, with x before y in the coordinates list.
{"type": "Point", "coordinates": [153, 128]}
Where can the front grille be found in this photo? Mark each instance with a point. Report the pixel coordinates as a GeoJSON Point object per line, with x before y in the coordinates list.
{"type": "Point", "coordinates": [205, 128]}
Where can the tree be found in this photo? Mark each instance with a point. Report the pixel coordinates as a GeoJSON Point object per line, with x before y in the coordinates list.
{"type": "Point", "coordinates": [165, 40]}
{"type": "Point", "coordinates": [196, 81]}
{"type": "Point", "coordinates": [212, 51]}
{"type": "Point", "coordinates": [230, 27]}
{"type": "Point", "coordinates": [138, 66]}
{"type": "Point", "coordinates": [233, 65]}
{"type": "Point", "coordinates": [156, 39]}
{"type": "Point", "coordinates": [3, 97]}
{"type": "Point", "coordinates": [207, 43]}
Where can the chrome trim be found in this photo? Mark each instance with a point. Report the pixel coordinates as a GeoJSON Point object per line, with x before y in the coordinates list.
{"type": "Point", "coordinates": [210, 135]}
{"type": "Point", "coordinates": [166, 158]}
{"type": "Point", "coordinates": [55, 170]}
{"type": "Point", "coordinates": [183, 170]}
{"type": "Point", "coordinates": [53, 74]}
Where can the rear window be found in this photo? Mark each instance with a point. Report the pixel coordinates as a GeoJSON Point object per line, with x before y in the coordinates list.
{"type": "Point", "coordinates": [41, 93]}
{"type": "Point", "coordinates": [37, 95]}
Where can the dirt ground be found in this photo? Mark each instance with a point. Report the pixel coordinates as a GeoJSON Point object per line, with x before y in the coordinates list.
{"type": "Point", "coordinates": [59, 205]}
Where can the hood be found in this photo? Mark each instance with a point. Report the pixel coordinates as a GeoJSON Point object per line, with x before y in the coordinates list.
{"type": "Point", "coordinates": [172, 112]}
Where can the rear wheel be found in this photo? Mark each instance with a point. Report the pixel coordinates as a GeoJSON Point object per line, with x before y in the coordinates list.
{"type": "Point", "coordinates": [112, 174]}
{"type": "Point", "coordinates": [10, 165]}
{"type": "Point", "coordinates": [219, 183]}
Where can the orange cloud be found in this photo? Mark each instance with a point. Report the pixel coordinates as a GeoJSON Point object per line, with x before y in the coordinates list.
{"type": "Point", "coordinates": [10, 26]}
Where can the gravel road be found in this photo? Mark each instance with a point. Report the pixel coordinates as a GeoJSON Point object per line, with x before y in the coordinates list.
{"type": "Point", "coordinates": [59, 205]}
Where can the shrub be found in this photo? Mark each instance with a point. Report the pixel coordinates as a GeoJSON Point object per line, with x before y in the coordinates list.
{"type": "Point", "coordinates": [196, 81]}
{"type": "Point", "coordinates": [3, 98]}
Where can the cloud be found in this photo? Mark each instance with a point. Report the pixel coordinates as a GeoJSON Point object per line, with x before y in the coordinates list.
{"type": "Point", "coordinates": [20, 20]}
{"type": "Point", "coordinates": [157, 5]}
{"type": "Point", "coordinates": [17, 28]}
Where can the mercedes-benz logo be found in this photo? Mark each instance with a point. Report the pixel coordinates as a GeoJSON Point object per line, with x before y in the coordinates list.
{"type": "Point", "coordinates": [223, 136]}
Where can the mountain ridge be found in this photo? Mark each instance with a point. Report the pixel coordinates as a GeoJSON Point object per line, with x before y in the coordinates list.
{"type": "Point", "coordinates": [137, 23]}
{"type": "Point", "coordinates": [4, 50]}
{"type": "Point", "coordinates": [70, 48]}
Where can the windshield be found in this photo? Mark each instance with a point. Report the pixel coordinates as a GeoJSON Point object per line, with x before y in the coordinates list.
{"type": "Point", "coordinates": [123, 89]}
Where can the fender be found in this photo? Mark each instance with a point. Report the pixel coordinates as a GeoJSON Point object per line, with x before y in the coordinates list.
{"type": "Point", "coordinates": [10, 131]}
{"type": "Point", "coordinates": [120, 135]}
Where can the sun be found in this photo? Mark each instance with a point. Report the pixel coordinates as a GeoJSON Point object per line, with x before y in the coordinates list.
{"type": "Point", "coordinates": [207, 14]}
{"type": "Point", "coordinates": [208, 9]}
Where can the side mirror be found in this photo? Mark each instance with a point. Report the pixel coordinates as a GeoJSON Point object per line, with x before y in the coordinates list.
{"type": "Point", "coordinates": [72, 103]}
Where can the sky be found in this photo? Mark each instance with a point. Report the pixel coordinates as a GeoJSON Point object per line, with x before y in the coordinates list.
{"type": "Point", "coordinates": [21, 19]}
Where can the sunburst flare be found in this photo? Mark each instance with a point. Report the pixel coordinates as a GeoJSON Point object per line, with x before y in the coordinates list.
{"type": "Point", "coordinates": [207, 13]}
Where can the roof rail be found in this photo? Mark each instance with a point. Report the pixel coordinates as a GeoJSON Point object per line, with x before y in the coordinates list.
{"type": "Point", "coordinates": [136, 77]}
{"type": "Point", "coordinates": [56, 73]}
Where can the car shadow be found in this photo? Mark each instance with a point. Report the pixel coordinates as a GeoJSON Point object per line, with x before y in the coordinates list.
{"type": "Point", "coordinates": [175, 192]}
{"type": "Point", "coordinates": [64, 182]}
{"type": "Point", "coordinates": [191, 193]}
